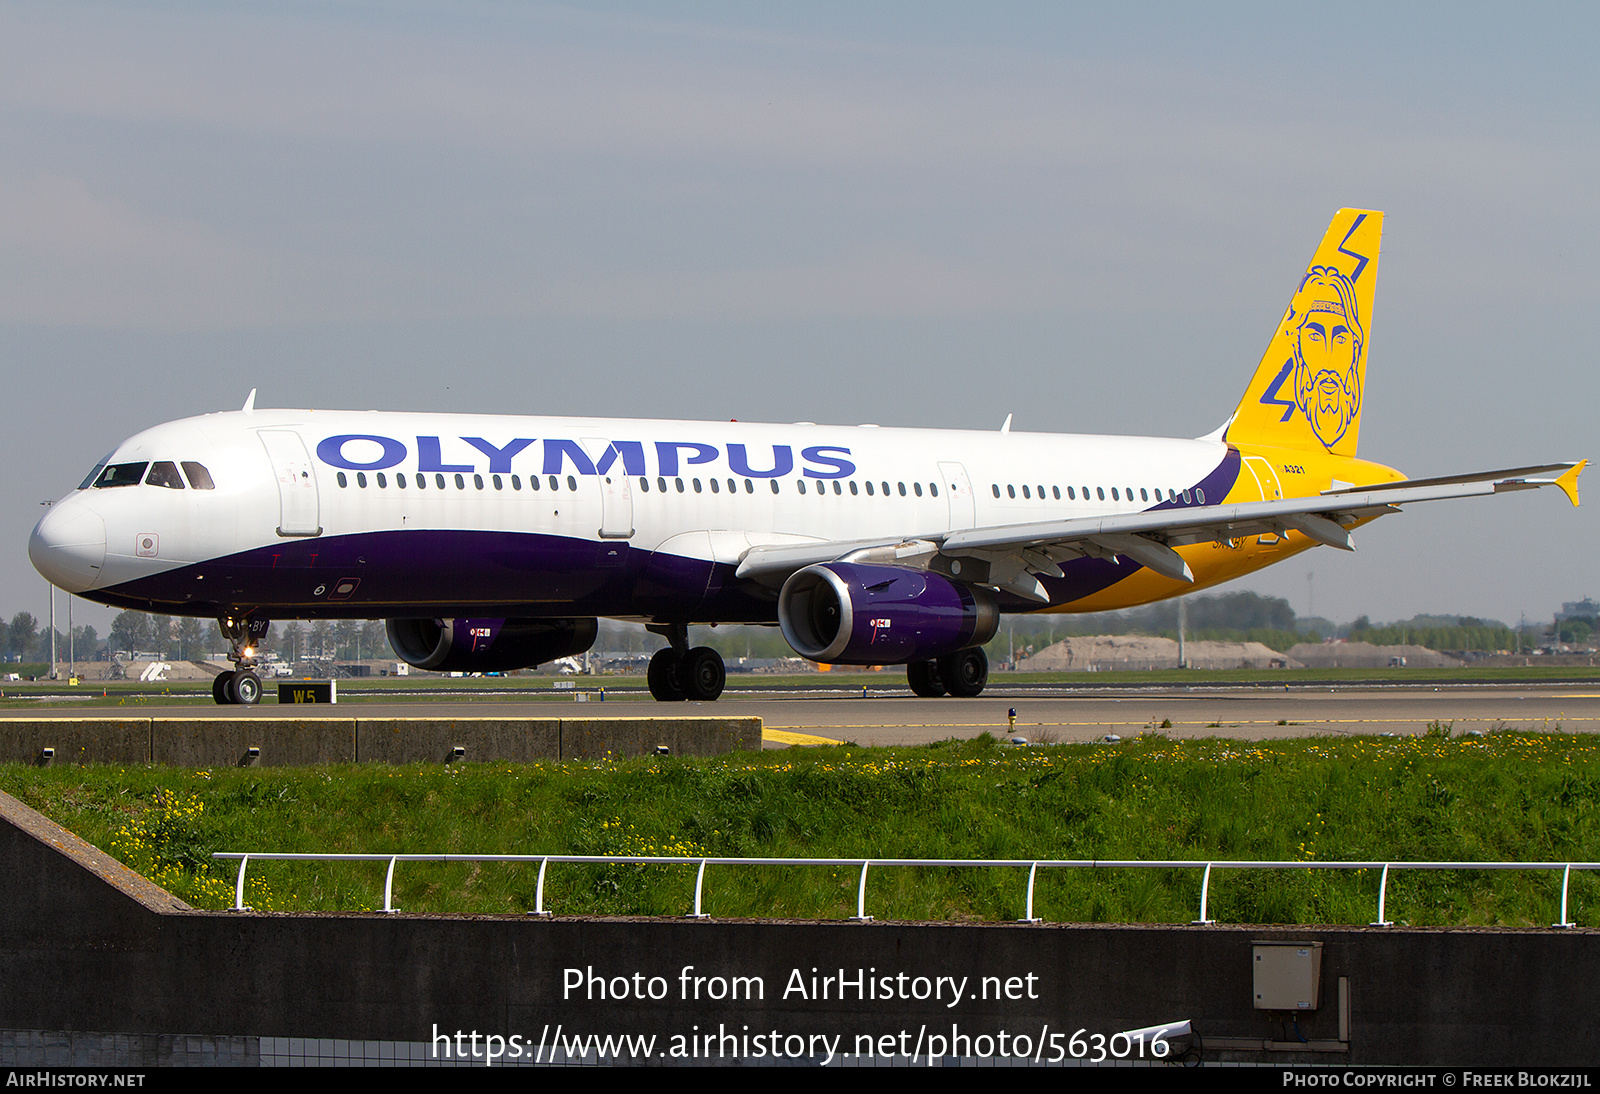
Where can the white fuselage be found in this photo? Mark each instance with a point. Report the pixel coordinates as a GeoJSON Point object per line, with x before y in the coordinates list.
{"type": "Point", "coordinates": [284, 482]}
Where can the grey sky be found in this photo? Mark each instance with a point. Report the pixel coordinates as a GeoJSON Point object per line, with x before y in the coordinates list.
{"type": "Point", "coordinates": [912, 214]}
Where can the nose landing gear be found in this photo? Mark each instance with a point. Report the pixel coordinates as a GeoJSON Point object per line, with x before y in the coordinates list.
{"type": "Point", "coordinates": [240, 684]}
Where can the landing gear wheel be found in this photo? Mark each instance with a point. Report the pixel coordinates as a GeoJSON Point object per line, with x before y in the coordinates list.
{"type": "Point", "coordinates": [245, 689]}
{"type": "Point", "coordinates": [924, 678]}
{"type": "Point", "coordinates": [965, 672]}
{"type": "Point", "coordinates": [220, 687]}
{"type": "Point", "coordinates": [702, 674]}
{"type": "Point", "coordinates": [665, 676]}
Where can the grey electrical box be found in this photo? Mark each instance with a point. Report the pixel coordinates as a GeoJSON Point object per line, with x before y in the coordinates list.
{"type": "Point", "coordinates": [1288, 975]}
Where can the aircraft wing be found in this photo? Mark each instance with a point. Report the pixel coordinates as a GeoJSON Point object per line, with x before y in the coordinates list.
{"type": "Point", "coordinates": [1009, 555]}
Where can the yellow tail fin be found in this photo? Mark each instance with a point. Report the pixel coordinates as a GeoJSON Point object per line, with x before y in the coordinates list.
{"type": "Point", "coordinates": [1307, 391]}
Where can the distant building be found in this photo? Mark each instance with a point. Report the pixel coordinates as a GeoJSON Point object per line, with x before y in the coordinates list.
{"type": "Point", "coordinates": [1587, 608]}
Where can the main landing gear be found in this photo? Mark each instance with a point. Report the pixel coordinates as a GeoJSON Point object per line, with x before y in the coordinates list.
{"type": "Point", "coordinates": [962, 674]}
{"type": "Point", "coordinates": [678, 672]}
{"type": "Point", "coordinates": [240, 684]}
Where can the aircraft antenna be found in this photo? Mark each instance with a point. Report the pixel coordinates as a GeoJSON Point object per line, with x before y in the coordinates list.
{"type": "Point", "coordinates": [1005, 426]}
{"type": "Point", "coordinates": [249, 402]}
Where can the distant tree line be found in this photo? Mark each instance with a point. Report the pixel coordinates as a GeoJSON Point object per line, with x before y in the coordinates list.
{"type": "Point", "coordinates": [185, 638]}
{"type": "Point", "coordinates": [1229, 617]}
{"type": "Point", "coordinates": [23, 639]}
{"type": "Point", "coordinates": [1576, 630]}
{"type": "Point", "coordinates": [1251, 617]}
{"type": "Point", "coordinates": [1467, 634]}
{"type": "Point", "coordinates": [1226, 617]}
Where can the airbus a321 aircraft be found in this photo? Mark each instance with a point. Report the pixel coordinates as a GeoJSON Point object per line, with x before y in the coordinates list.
{"type": "Point", "coordinates": [495, 542]}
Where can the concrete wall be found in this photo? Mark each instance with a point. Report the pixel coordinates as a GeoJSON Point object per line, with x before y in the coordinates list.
{"type": "Point", "coordinates": [221, 741]}
{"type": "Point", "coordinates": [85, 945]}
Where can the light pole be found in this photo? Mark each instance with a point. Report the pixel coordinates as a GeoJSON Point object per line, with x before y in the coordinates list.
{"type": "Point", "coordinates": [52, 673]}
{"type": "Point", "coordinates": [1183, 619]}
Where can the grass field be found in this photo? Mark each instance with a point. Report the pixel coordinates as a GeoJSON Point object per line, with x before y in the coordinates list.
{"type": "Point", "coordinates": [1507, 796]}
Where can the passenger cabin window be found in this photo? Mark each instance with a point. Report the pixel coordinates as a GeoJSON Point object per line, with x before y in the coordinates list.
{"type": "Point", "coordinates": [164, 473]}
{"type": "Point", "coordinates": [199, 478]}
{"type": "Point", "coordinates": [120, 474]}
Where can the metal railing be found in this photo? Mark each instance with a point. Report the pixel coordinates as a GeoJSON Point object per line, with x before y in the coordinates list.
{"type": "Point", "coordinates": [861, 915]}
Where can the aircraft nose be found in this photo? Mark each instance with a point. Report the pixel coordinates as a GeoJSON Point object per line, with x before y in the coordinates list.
{"type": "Point", "coordinates": [69, 546]}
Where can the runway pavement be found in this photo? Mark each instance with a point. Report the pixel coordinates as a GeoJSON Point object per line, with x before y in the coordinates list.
{"type": "Point", "coordinates": [891, 716]}
{"type": "Point", "coordinates": [1251, 714]}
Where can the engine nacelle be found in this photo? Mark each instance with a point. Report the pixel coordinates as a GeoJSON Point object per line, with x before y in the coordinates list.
{"type": "Point", "coordinates": [488, 645]}
{"type": "Point", "coordinates": [840, 613]}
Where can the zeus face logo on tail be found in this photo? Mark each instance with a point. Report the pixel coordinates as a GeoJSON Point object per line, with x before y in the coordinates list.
{"type": "Point", "coordinates": [1307, 390]}
{"type": "Point", "coordinates": [1324, 326]}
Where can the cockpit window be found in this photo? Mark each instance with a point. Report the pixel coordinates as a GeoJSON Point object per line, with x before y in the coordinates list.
{"type": "Point", "coordinates": [95, 474]}
{"type": "Point", "coordinates": [164, 473]}
{"type": "Point", "coordinates": [199, 477]}
{"type": "Point", "coordinates": [120, 474]}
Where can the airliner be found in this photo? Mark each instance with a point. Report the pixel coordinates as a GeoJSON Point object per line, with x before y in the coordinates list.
{"type": "Point", "coordinates": [497, 542]}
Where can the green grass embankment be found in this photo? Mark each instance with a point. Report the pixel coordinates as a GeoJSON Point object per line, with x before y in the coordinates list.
{"type": "Point", "coordinates": [1508, 796]}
